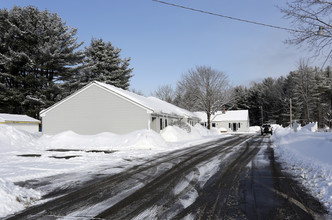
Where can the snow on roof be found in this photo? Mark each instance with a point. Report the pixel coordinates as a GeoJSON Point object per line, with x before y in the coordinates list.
{"type": "Point", "coordinates": [201, 115]}
{"type": "Point", "coordinates": [230, 115]}
{"type": "Point", "coordinates": [152, 103]}
{"type": "Point", "coordinates": [16, 118]}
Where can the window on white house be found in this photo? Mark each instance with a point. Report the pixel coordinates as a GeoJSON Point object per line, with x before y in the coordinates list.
{"type": "Point", "coordinates": [161, 124]}
{"type": "Point", "coordinates": [165, 123]}
{"type": "Point", "coordinates": [213, 125]}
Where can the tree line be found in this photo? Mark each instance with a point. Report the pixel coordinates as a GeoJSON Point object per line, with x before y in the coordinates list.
{"type": "Point", "coordinates": [304, 95]}
{"type": "Point", "coordinates": [41, 61]}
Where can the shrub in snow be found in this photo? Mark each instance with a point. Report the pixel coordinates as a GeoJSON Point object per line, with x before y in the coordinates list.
{"type": "Point", "coordinates": [182, 125]}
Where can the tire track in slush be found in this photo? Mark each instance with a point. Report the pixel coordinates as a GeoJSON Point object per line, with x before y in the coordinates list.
{"type": "Point", "coordinates": [147, 190]}
{"type": "Point", "coordinates": [108, 187]}
{"type": "Point", "coordinates": [158, 190]}
{"type": "Point", "coordinates": [214, 196]}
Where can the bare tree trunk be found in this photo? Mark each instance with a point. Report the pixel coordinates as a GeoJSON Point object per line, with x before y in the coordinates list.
{"type": "Point", "coordinates": [208, 119]}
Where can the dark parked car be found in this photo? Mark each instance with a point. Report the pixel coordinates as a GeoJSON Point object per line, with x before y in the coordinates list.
{"type": "Point", "coordinates": [266, 128]}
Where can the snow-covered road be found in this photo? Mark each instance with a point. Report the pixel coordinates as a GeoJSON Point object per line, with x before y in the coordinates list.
{"type": "Point", "coordinates": [206, 180]}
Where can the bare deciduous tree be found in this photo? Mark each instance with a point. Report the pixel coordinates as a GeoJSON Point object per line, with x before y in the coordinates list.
{"type": "Point", "coordinates": [304, 79]}
{"type": "Point", "coordinates": [205, 89]}
{"type": "Point", "coordinates": [165, 92]}
{"type": "Point", "coordinates": [313, 23]}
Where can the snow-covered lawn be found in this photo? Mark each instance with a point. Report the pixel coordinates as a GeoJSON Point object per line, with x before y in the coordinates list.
{"type": "Point", "coordinates": [25, 156]}
{"type": "Point", "coordinates": [308, 155]}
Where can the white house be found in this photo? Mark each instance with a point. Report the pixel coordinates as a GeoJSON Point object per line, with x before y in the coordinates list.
{"type": "Point", "coordinates": [99, 107]}
{"type": "Point", "coordinates": [231, 120]}
{"type": "Point", "coordinates": [22, 122]}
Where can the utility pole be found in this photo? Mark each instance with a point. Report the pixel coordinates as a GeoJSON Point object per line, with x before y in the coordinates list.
{"type": "Point", "coordinates": [262, 114]}
{"type": "Point", "coordinates": [290, 113]}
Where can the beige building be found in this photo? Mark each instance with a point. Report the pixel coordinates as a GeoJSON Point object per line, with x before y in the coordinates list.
{"type": "Point", "coordinates": [22, 122]}
{"type": "Point", "coordinates": [99, 107]}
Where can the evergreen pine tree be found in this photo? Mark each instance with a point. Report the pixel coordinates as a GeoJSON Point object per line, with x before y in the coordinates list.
{"type": "Point", "coordinates": [37, 52]}
{"type": "Point", "coordinates": [241, 97]}
{"type": "Point", "coordinates": [103, 63]}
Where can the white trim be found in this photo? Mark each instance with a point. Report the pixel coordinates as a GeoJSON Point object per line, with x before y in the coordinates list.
{"type": "Point", "coordinates": [124, 97]}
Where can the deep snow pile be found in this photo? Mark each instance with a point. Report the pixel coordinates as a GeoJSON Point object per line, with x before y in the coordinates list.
{"type": "Point", "coordinates": [141, 139]}
{"type": "Point", "coordinates": [15, 198]}
{"type": "Point", "coordinates": [307, 154]}
{"type": "Point", "coordinates": [176, 134]}
{"type": "Point", "coordinates": [13, 139]}
{"type": "Point", "coordinates": [137, 144]}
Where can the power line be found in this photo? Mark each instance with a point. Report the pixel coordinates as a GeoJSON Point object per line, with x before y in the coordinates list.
{"type": "Point", "coordinates": [228, 17]}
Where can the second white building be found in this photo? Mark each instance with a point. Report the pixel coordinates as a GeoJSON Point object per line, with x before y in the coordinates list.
{"type": "Point", "coordinates": [228, 121]}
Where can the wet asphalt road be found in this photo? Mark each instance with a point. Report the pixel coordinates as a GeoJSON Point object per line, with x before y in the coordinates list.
{"type": "Point", "coordinates": [231, 178]}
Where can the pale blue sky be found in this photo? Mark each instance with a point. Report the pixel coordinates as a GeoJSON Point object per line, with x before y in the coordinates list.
{"type": "Point", "coordinates": [164, 42]}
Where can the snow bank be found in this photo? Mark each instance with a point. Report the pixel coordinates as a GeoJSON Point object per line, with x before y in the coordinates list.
{"type": "Point", "coordinates": [14, 139]}
{"type": "Point", "coordinates": [142, 139]}
{"type": "Point", "coordinates": [176, 134]}
{"type": "Point", "coordinates": [307, 154]}
{"type": "Point", "coordinates": [255, 129]}
{"type": "Point", "coordinates": [313, 127]}
{"type": "Point", "coordinates": [15, 198]}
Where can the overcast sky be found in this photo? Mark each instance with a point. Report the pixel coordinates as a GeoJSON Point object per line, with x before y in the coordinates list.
{"type": "Point", "coordinates": [164, 42]}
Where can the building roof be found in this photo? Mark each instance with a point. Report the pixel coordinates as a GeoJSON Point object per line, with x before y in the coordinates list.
{"type": "Point", "coordinates": [152, 104]}
{"type": "Point", "coordinates": [202, 116]}
{"type": "Point", "coordinates": [16, 118]}
{"type": "Point", "coordinates": [230, 115]}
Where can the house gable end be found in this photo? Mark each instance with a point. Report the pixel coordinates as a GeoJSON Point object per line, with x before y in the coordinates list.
{"type": "Point", "coordinates": [44, 112]}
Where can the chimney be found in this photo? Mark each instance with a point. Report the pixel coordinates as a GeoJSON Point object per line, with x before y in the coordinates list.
{"type": "Point", "coordinates": [224, 110]}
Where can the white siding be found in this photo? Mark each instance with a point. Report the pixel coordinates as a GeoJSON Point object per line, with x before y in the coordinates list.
{"type": "Point", "coordinates": [95, 110]}
{"type": "Point", "coordinates": [244, 125]}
